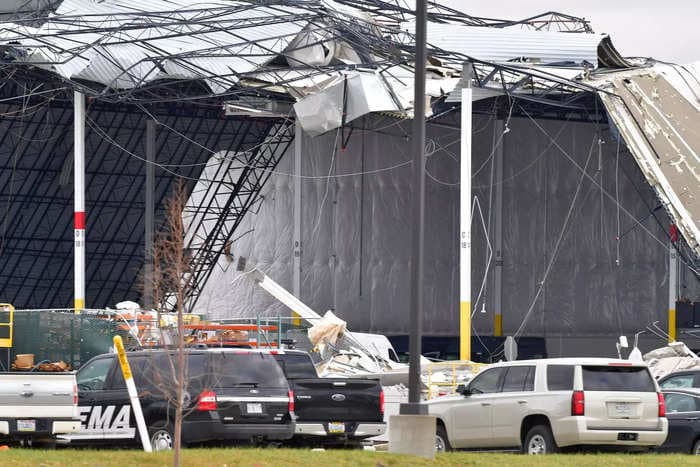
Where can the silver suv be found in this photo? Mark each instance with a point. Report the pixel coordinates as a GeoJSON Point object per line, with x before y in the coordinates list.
{"type": "Point", "coordinates": [540, 406]}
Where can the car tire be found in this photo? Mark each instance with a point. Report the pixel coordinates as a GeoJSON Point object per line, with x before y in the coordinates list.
{"type": "Point", "coordinates": [162, 435]}
{"type": "Point", "coordinates": [696, 447]}
{"type": "Point", "coordinates": [539, 440]}
{"type": "Point", "coordinates": [442, 444]}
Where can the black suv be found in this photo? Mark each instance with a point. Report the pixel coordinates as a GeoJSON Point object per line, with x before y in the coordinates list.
{"type": "Point", "coordinates": [230, 394]}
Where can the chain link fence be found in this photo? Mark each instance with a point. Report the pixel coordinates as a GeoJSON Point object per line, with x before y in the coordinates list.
{"type": "Point", "coordinates": [54, 335]}
{"type": "Point", "coordinates": [61, 335]}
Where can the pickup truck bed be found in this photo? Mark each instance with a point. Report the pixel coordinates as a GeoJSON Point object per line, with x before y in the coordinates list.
{"type": "Point", "coordinates": [331, 410]}
{"type": "Point", "coordinates": [36, 405]}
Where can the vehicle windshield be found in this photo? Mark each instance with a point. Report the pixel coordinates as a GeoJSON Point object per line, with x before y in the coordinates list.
{"type": "Point", "coordinates": [296, 366]}
{"type": "Point", "coordinates": [92, 376]}
{"type": "Point", "coordinates": [233, 369]}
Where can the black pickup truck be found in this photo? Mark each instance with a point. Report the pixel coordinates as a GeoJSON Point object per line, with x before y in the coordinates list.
{"type": "Point", "coordinates": [331, 411]}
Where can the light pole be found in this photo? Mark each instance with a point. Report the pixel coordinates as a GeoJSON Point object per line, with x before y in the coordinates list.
{"type": "Point", "coordinates": [414, 407]}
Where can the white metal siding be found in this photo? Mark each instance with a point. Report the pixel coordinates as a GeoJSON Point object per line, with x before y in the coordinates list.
{"type": "Point", "coordinates": [502, 45]}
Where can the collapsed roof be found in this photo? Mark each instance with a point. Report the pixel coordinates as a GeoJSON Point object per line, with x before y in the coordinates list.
{"type": "Point", "coordinates": [333, 60]}
{"type": "Point", "coordinates": [113, 48]}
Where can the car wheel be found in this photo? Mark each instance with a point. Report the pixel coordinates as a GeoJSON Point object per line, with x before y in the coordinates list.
{"type": "Point", "coordinates": [442, 444]}
{"type": "Point", "coordinates": [696, 448]}
{"type": "Point", "coordinates": [539, 440]}
{"type": "Point", "coordinates": [161, 433]}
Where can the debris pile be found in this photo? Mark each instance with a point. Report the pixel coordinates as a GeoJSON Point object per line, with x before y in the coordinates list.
{"type": "Point", "coordinates": [675, 356]}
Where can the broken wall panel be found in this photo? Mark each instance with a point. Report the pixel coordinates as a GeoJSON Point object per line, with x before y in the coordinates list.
{"type": "Point", "coordinates": [658, 123]}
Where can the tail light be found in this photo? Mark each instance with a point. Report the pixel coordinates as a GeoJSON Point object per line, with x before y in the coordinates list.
{"type": "Point", "coordinates": [75, 394]}
{"type": "Point", "coordinates": [578, 404]}
{"type": "Point", "coordinates": [206, 401]}
{"type": "Point", "coordinates": [662, 405]}
{"type": "Point", "coordinates": [381, 402]}
{"type": "Point", "coordinates": [290, 407]}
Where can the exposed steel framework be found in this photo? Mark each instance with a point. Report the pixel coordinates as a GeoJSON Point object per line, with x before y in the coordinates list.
{"type": "Point", "coordinates": [179, 63]}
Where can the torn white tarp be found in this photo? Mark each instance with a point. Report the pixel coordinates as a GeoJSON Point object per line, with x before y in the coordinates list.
{"type": "Point", "coordinates": [327, 330]}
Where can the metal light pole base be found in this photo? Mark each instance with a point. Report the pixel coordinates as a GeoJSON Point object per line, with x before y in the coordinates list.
{"type": "Point", "coordinates": [412, 434]}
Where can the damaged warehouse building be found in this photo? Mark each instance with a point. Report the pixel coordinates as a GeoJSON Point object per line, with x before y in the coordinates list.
{"type": "Point", "coordinates": [290, 125]}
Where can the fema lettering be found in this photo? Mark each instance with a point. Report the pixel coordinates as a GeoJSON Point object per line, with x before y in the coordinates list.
{"type": "Point", "coordinates": [105, 418]}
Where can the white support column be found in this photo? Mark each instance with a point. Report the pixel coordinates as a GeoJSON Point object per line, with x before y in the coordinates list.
{"type": "Point", "coordinates": [465, 218]}
{"type": "Point", "coordinates": [296, 241]}
{"type": "Point", "coordinates": [79, 198]}
{"type": "Point", "coordinates": [498, 232]}
{"type": "Point", "coordinates": [672, 290]}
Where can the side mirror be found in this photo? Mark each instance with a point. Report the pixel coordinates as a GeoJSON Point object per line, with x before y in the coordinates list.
{"type": "Point", "coordinates": [463, 390]}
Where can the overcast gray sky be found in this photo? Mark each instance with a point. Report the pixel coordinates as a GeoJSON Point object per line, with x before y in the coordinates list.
{"type": "Point", "coordinates": [664, 29]}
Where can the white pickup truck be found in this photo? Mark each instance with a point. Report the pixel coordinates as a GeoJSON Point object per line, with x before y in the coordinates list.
{"type": "Point", "coordinates": [38, 406]}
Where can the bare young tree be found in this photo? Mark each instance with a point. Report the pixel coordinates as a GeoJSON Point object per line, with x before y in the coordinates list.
{"type": "Point", "coordinates": [170, 288]}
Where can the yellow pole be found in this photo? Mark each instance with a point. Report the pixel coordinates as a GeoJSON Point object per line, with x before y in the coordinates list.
{"type": "Point", "coordinates": [671, 325]}
{"type": "Point", "coordinates": [498, 325]}
{"type": "Point", "coordinates": [133, 394]}
{"type": "Point", "coordinates": [465, 330]}
{"type": "Point", "coordinates": [6, 342]}
{"type": "Point", "coordinates": [672, 290]}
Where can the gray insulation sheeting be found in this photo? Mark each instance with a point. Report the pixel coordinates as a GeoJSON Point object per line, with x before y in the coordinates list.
{"type": "Point", "coordinates": [356, 233]}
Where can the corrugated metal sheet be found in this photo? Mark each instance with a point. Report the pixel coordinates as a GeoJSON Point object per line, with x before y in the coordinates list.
{"type": "Point", "coordinates": [141, 51]}
{"type": "Point", "coordinates": [124, 44]}
{"type": "Point", "coordinates": [503, 45]}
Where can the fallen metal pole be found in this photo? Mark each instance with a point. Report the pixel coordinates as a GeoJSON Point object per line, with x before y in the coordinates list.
{"type": "Point", "coordinates": [133, 394]}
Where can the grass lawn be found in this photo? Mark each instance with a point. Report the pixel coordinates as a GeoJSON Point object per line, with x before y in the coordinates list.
{"type": "Point", "coordinates": [247, 457]}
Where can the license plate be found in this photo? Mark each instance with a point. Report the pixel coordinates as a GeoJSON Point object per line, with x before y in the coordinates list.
{"type": "Point", "coordinates": [623, 408]}
{"type": "Point", "coordinates": [336, 427]}
{"type": "Point", "coordinates": [254, 408]}
{"type": "Point", "coordinates": [26, 425]}
{"type": "Point", "coordinates": [627, 436]}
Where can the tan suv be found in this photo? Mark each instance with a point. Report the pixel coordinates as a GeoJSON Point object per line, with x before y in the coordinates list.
{"type": "Point", "coordinates": [540, 406]}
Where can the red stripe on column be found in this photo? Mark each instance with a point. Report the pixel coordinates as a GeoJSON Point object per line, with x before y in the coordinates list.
{"type": "Point", "coordinates": [79, 220]}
